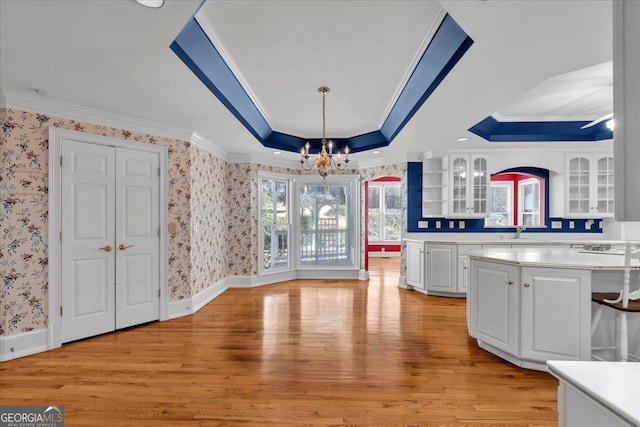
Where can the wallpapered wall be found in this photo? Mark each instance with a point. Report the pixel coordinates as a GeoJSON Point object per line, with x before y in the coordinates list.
{"type": "Point", "coordinates": [213, 203]}
{"type": "Point", "coordinates": [23, 215]}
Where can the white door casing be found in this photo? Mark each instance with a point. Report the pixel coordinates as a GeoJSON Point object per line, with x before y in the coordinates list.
{"type": "Point", "coordinates": [59, 138]}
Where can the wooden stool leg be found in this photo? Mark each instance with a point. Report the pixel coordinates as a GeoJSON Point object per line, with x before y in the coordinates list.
{"type": "Point", "coordinates": [596, 319]}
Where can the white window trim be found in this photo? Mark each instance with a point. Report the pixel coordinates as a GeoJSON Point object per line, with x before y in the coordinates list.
{"type": "Point", "coordinates": [291, 249]}
{"type": "Point", "coordinates": [382, 184]}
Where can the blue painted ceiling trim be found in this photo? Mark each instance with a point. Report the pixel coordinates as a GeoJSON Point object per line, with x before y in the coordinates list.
{"type": "Point", "coordinates": [195, 49]}
{"type": "Point", "coordinates": [447, 46]}
{"type": "Point", "coordinates": [495, 131]}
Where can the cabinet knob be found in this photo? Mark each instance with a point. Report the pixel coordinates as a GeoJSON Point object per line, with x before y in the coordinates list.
{"type": "Point", "coordinates": [510, 282]}
{"type": "Point", "coordinates": [526, 285]}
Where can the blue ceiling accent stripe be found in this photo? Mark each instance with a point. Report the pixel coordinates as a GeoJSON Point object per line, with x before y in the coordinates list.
{"type": "Point", "coordinates": [199, 54]}
{"type": "Point", "coordinates": [447, 46]}
{"type": "Point", "coordinates": [561, 131]}
{"type": "Point", "coordinates": [195, 49]}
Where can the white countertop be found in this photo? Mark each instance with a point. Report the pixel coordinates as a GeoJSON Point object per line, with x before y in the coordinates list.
{"type": "Point", "coordinates": [614, 384]}
{"type": "Point", "coordinates": [523, 241]}
{"type": "Point", "coordinates": [553, 257]}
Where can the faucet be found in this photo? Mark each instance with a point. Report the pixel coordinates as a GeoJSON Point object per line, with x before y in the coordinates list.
{"type": "Point", "coordinates": [519, 230]}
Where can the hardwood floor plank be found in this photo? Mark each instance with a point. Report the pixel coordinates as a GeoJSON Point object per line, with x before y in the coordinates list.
{"type": "Point", "coordinates": [299, 353]}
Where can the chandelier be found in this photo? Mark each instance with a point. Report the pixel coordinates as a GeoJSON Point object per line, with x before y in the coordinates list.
{"type": "Point", "coordinates": [326, 159]}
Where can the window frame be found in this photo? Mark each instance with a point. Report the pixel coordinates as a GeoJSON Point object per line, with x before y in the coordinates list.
{"type": "Point", "coordinates": [383, 212]}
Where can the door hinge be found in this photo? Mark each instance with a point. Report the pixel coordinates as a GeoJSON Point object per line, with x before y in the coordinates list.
{"type": "Point", "coordinates": [158, 293]}
{"type": "Point", "coordinates": [158, 171]}
{"type": "Point", "coordinates": [61, 236]}
{"type": "Point", "coordinates": [60, 311]}
{"type": "Point", "coordinates": [60, 160]}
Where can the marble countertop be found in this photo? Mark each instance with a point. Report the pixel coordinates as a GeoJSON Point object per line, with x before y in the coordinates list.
{"type": "Point", "coordinates": [553, 257]}
{"type": "Point", "coordinates": [614, 384]}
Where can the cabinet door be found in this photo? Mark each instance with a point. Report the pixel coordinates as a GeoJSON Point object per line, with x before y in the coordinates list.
{"type": "Point", "coordinates": [578, 187]}
{"type": "Point", "coordinates": [463, 266]}
{"type": "Point", "coordinates": [441, 268]}
{"type": "Point", "coordinates": [415, 264]}
{"type": "Point", "coordinates": [479, 191]}
{"type": "Point", "coordinates": [494, 304]}
{"type": "Point", "coordinates": [556, 314]}
{"type": "Point", "coordinates": [459, 182]}
{"type": "Point", "coordinates": [604, 186]}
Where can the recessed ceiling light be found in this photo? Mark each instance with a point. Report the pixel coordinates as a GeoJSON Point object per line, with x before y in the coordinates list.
{"type": "Point", "coordinates": [376, 151]}
{"type": "Point", "coordinates": [462, 139]}
{"type": "Point", "coordinates": [277, 152]}
{"type": "Point", "coordinates": [152, 4]}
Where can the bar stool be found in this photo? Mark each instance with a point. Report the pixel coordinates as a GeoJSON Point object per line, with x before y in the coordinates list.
{"type": "Point", "coordinates": [623, 302]}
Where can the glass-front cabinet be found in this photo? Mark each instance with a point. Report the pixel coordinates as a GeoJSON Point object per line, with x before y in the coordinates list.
{"type": "Point", "coordinates": [469, 186]}
{"type": "Point", "coordinates": [589, 186]}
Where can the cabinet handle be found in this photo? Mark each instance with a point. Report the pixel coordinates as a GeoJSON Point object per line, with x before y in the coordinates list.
{"type": "Point", "coordinates": [510, 282]}
{"type": "Point", "coordinates": [526, 285]}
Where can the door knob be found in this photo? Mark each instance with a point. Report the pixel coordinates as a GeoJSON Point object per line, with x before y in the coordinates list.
{"type": "Point", "coordinates": [123, 247]}
{"type": "Point", "coordinates": [106, 248]}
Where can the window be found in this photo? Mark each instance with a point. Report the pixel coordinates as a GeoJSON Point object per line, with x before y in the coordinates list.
{"type": "Point", "coordinates": [328, 224]}
{"type": "Point", "coordinates": [529, 204]}
{"type": "Point", "coordinates": [274, 223]}
{"type": "Point", "coordinates": [501, 205]}
{"type": "Point", "coordinates": [517, 197]}
{"type": "Point", "coordinates": [385, 209]}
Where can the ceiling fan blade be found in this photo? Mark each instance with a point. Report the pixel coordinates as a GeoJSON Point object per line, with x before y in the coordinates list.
{"type": "Point", "coordinates": [595, 122]}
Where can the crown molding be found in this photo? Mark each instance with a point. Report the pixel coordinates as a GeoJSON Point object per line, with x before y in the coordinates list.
{"type": "Point", "coordinates": [38, 104]}
{"type": "Point", "coordinates": [209, 146]}
{"type": "Point", "coordinates": [389, 160]}
{"type": "Point", "coordinates": [414, 63]}
{"type": "Point", "coordinates": [224, 53]}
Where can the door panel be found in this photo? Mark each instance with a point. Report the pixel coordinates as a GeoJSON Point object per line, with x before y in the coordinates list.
{"type": "Point", "coordinates": [137, 225]}
{"type": "Point", "coordinates": [88, 224]}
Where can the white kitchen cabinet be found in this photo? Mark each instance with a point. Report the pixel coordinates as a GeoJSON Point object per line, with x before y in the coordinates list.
{"type": "Point", "coordinates": [463, 266]}
{"type": "Point", "coordinates": [435, 190]}
{"type": "Point", "coordinates": [441, 269]}
{"type": "Point", "coordinates": [468, 186]}
{"type": "Point", "coordinates": [494, 305]}
{"type": "Point", "coordinates": [529, 315]}
{"type": "Point", "coordinates": [415, 264]}
{"type": "Point", "coordinates": [589, 190]}
{"type": "Point", "coordinates": [555, 314]}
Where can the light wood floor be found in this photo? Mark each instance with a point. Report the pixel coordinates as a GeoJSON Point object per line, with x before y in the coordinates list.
{"type": "Point", "coordinates": [315, 353]}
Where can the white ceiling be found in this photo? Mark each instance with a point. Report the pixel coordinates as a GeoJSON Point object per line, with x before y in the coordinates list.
{"type": "Point", "coordinates": [114, 56]}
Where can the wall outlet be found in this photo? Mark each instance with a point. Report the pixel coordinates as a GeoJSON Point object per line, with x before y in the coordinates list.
{"type": "Point", "coordinates": [461, 225]}
{"type": "Point", "coordinates": [452, 224]}
{"type": "Point", "coordinates": [423, 224]}
{"type": "Point", "coordinates": [438, 224]}
{"type": "Point", "coordinates": [556, 224]}
{"type": "Point", "coordinates": [572, 225]}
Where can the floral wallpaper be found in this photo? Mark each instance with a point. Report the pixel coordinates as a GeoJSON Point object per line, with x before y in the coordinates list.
{"type": "Point", "coordinates": [24, 151]}
{"type": "Point", "coordinates": [208, 219]}
{"type": "Point", "coordinates": [213, 204]}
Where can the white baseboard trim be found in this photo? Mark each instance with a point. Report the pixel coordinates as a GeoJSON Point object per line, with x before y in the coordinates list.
{"type": "Point", "coordinates": [269, 279]}
{"type": "Point", "coordinates": [180, 308]}
{"type": "Point", "coordinates": [203, 298]}
{"type": "Point", "coordinates": [23, 344]}
{"type": "Point", "coordinates": [402, 283]}
{"type": "Point", "coordinates": [384, 254]}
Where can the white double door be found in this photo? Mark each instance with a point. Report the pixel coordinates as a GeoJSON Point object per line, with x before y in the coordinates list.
{"type": "Point", "coordinates": [110, 243]}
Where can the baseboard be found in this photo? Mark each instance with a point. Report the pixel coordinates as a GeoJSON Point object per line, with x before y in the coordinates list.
{"type": "Point", "coordinates": [402, 283]}
{"type": "Point", "coordinates": [203, 298]}
{"type": "Point", "coordinates": [23, 344]}
{"type": "Point", "coordinates": [269, 279]}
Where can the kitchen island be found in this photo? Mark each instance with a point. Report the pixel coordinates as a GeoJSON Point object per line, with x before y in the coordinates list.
{"type": "Point", "coordinates": [531, 305]}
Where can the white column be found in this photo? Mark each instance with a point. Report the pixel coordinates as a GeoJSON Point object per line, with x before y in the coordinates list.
{"type": "Point", "coordinates": [626, 107]}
